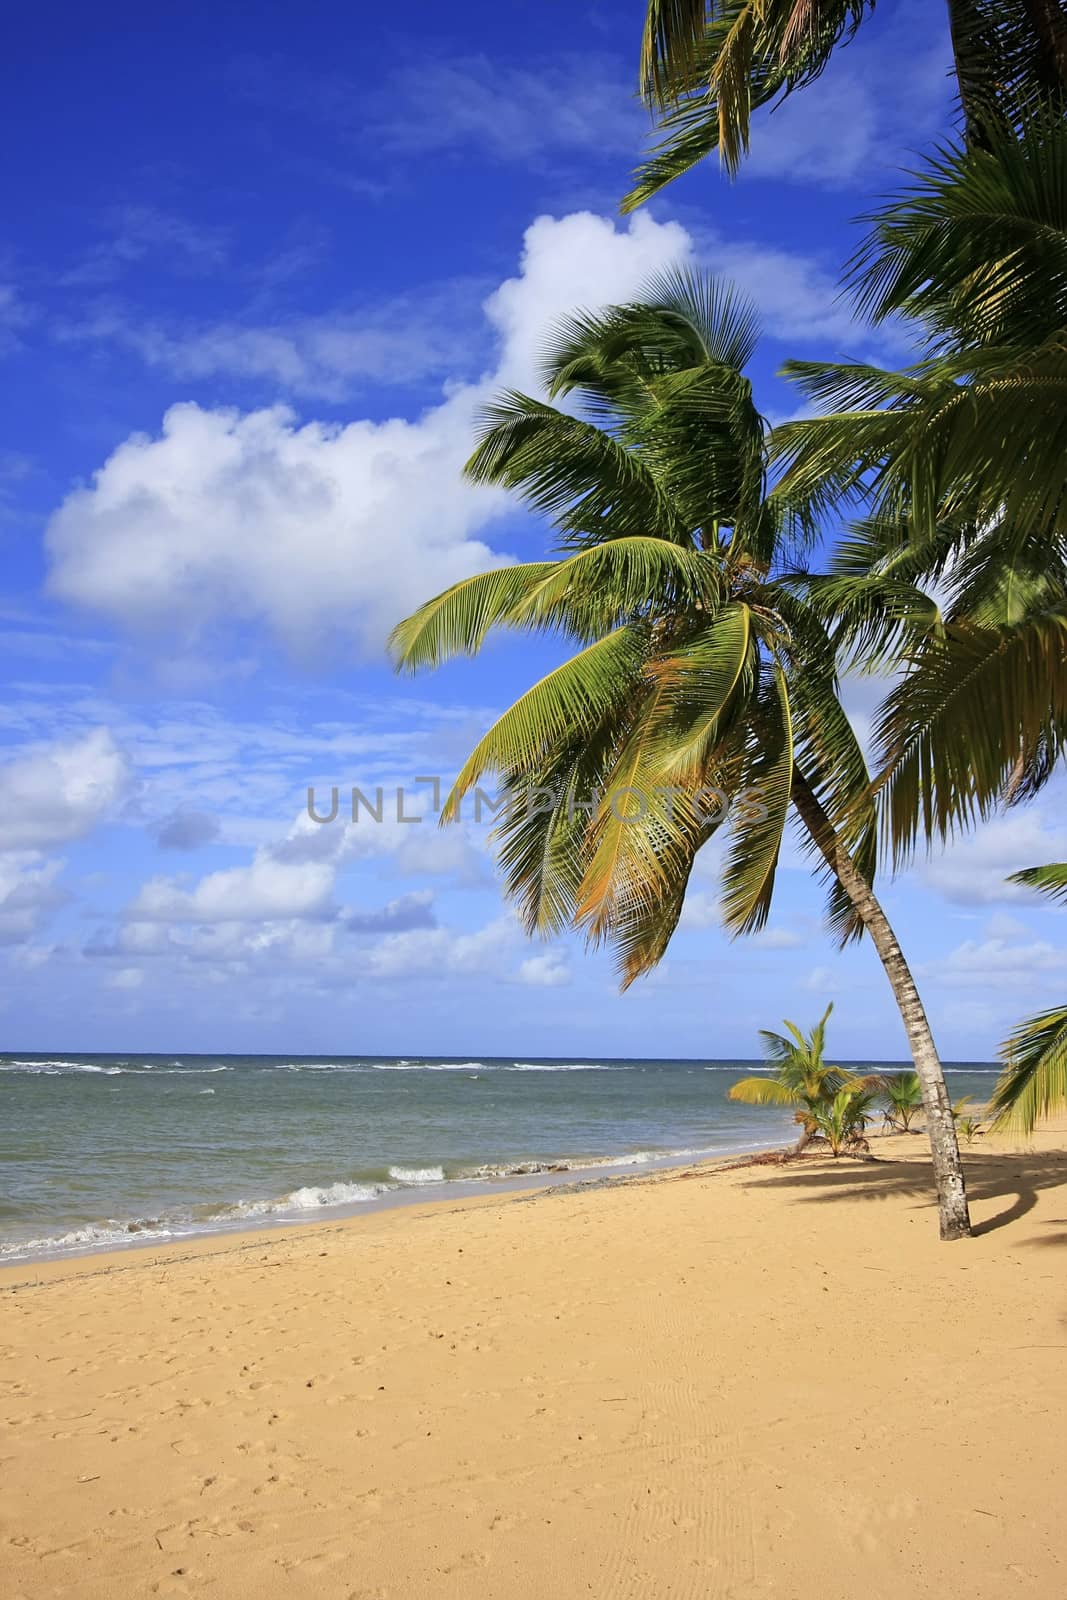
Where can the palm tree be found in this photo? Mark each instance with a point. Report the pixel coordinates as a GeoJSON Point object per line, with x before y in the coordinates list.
{"type": "Point", "coordinates": [1034, 1080]}
{"type": "Point", "coordinates": [802, 1078]}
{"type": "Point", "coordinates": [958, 570]}
{"type": "Point", "coordinates": [903, 1095]}
{"type": "Point", "coordinates": [843, 1120]}
{"type": "Point", "coordinates": [700, 671]}
{"type": "Point", "coordinates": [706, 65]}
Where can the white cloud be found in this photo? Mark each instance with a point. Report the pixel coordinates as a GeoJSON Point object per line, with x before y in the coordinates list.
{"type": "Point", "coordinates": [973, 870]}
{"type": "Point", "coordinates": [325, 531]}
{"type": "Point", "coordinates": [266, 890]}
{"type": "Point", "coordinates": [778, 939]}
{"type": "Point", "coordinates": [395, 342]}
{"type": "Point", "coordinates": [997, 963]}
{"type": "Point", "coordinates": [798, 297]}
{"type": "Point", "coordinates": [60, 791]}
{"type": "Point", "coordinates": [701, 909]}
{"type": "Point", "coordinates": [442, 952]}
{"type": "Point", "coordinates": [125, 978]}
{"type": "Point", "coordinates": [314, 528]}
{"type": "Point", "coordinates": [549, 971]}
{"type": "Point", "coordinates": [29, 894]}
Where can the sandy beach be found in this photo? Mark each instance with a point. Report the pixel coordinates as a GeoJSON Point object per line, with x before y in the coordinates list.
{"type": "Point", "coordinates": [762, 1381]}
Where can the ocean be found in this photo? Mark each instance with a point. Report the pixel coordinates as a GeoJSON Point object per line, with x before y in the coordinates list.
{"type": "Point", "coordinates": [102, 1151]}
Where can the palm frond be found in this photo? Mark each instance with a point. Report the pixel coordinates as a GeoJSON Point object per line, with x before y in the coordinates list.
{"type": "Point", "coordinates": [1051, 880]}
{"type": "Point", "coordinates": [585, 596]}
{"type": "Point", "coordinates": [1033, 1082]}
{"type": "Point", "coordinates": [762, 1092]}
{"type": "Point", "coordinates": [569, 702]}
{"type": "Point", "coordinates": [757, 827]}
{"type": "Point", "coordinates": [579, 475]}
{"type": "Point", "coordinates": [976, 702]}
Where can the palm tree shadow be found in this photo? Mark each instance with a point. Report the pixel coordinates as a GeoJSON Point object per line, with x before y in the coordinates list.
{"type": "Point", "coordinates": [1020, 1178]}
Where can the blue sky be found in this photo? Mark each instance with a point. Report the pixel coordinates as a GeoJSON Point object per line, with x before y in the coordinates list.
{"type": "Point", "coordinates": [258, 269]}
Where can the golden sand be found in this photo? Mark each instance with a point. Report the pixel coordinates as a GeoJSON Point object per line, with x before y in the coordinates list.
{"type": "Point", "coordinates": [770, 1381]}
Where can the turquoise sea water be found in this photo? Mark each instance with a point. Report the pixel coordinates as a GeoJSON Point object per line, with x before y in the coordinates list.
{"type": "Point", "coordinates": [102, 1150]}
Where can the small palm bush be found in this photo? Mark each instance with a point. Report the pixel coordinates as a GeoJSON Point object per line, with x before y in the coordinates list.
{"type": "Point", "coordinates": [842, 1121]}
{"type": "Point", "coordinates": [903, 1096]}
{"type": "Point", "coordinates": [803, 1080]}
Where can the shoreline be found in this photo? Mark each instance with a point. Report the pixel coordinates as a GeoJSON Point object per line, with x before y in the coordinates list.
{"type": "Point", "coordinates": [532, 1175]}
{"type": "Point", "coordinates": [448, 1195]}
{"type": "Point", "coordinates": [725, 1380]}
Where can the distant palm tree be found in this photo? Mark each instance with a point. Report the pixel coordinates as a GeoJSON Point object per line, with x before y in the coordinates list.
{"type": "Point", "coordinates": [706, 65]}
{"type": "Point", "coordinates": [802, 1081]}
{"type": "Point", "coordinates": [1033, 1083]}
{"type": "Point", "coordinates": [903, 1095]}
{"type": "Point", "coordinates": [700, 671]}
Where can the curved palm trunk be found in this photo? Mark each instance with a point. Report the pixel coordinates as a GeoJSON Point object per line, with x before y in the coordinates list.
{"type": "Point", "coordinates": [948, 1170]}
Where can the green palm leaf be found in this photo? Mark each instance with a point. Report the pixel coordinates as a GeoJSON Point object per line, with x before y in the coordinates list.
{"type": "Point", "coordinates": [1033, 1083]}
{"type": "Point", "coordinates": [1052, 880]}
{"type": "Point", "coordinates": [572, 700]}
{"type": "Point", "coordinates": [756, 836]}
{"type": "Point", "coordinates": [592, 591]}
{"type": "Point", "coordinates": [762, 1092]}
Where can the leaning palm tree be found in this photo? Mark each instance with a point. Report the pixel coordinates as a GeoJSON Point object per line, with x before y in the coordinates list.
{"type": "Point", "coordinates": [1033, 1083]}
{"type": "Point", "coordinates": [702, 698]}
{"type": "Point", "coordinates": [706, 65]}
{"type": "Point", "coordinates": [802, 1081]}
{"type": "Point", "coordinates": [957, 569]}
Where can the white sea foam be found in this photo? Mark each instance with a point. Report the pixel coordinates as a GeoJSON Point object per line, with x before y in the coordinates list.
{"type": "Point", "coordinates": [417, 1174]}
{"type": "Point", "coordinates": [94, 1236]}
{"type": "Point", "coordinates": [430, 1066]}
{"type": "Point", "coordinates": [56, 1068]}
{"type": "Point", "coordinates": [60, 1068]}
{"type": "Point", "coordinates": [562, 1066]}
{"type": "Point", "coordinates": [319, 1066]}
{"type": "Point", "coordinates": [333, 1194]}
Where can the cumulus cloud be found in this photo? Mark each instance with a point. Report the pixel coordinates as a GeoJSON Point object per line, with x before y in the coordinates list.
{"type": "Point", "coordinates": [973, 870]}
{"type": "Point", "coordinates": [998, 963]}
{"type": "Point", "coordinates": [441, 952]}
{"type": "Point", "coordinates": [548, 971]}
{"type": "Point", "coordinates": [29, 894]}
{"type": "Point", "coordinates": [322, 530]}
{"type": "Point", "coordinates": [266, 890]}
{"type": "Point", "coordinates": [310, 528]}
{"type": "Point", "coordinates": [60, 791]}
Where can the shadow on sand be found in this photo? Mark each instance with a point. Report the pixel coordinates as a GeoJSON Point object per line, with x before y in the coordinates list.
{"type": "Point", "coordinates": [1013, 1175]}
